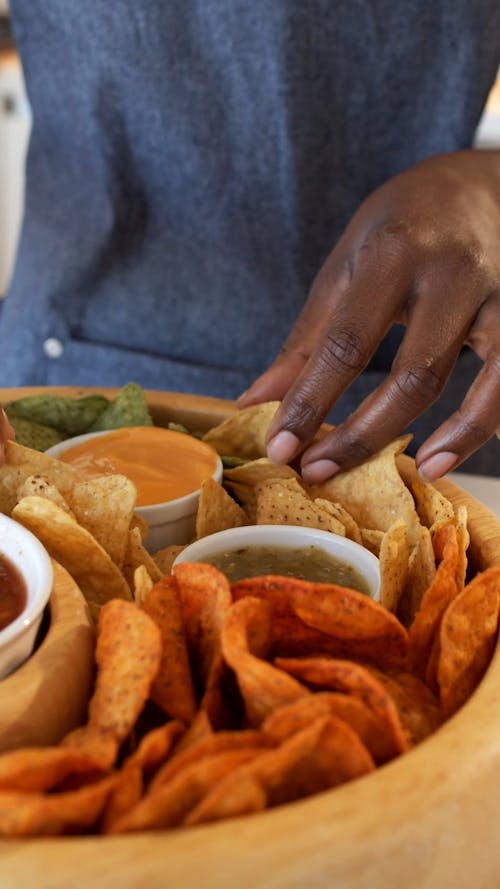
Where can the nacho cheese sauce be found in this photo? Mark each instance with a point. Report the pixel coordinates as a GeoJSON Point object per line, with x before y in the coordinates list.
{"type": "Point", "coordinates": [306, 563]}
{"type": "Point", "coordinates": [162, 464]}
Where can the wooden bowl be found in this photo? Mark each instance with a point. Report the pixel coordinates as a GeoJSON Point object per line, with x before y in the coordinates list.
{"type": "Point", "coordinates": [427, 819]}
{"type": "Point", "coordinates": [47, 695]}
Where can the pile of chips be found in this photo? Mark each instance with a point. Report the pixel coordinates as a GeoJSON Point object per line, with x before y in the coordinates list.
{"type": "Point", "coordinates": [213, 699]}
{"type": "Point", "coordinates": [41, 421]}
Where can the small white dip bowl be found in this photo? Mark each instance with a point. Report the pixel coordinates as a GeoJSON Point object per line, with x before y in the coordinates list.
{"type": "Point", "coordinates": [293, 537]}
{"type": "Point", "coordinates": [22, 549]}
{"type": "Point", "coordinates": [169, 522]}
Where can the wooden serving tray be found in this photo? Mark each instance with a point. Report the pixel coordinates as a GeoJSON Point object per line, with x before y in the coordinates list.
{"type": "Point", "coordinates": [427, 820]}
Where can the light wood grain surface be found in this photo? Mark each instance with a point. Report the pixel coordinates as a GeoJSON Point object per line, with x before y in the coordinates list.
{"type": "Point", "coordinates": [428, 820]}
{"type": "Point", "coordinates": [47, 696]}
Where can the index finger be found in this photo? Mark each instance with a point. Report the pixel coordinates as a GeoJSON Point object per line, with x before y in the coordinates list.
{"type": "Point", "coordinates": [354, 323]}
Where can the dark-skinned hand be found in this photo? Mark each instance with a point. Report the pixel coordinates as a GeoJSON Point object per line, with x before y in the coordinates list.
{"type": "Point", "coordinates": [423, 250]}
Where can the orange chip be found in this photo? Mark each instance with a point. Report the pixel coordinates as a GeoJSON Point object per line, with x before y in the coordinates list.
{"type": "Point", "coordinates": [467, 639]}
{"type": "Point", "coordinates": [172, 688]}
{"type": "Point", "coordinates": [436, 599]}
{"type": "Point", "coordinates": [200, 728]}
{"type": "Point", "coordinates": [37, 814]}
{"type": "Point", "coordinates": [153, 749]}
{"type": "Point", "coordinates": [171, 802]}
{"type": "Point", "coordinates": [419, 710]}
{"type": "Point", "coordinates": [125, 794]}
{"type": "Point", "coordinates": [128, 653]}
{"type": "Point", "coordinates": [101, 744]}
{"type": "Point", "coordinates": [219, 742]}
{"type": "Point", "coordinates": [319, 618]}
{"type": "Point", "coordinates": [354, 679]}
{"type": "Point", "coordinates": [245, 640]}
{"type": "Point", "coordinates": [205, 597]}
{"type": "Point", "coordinates": [323, 755]}
{"type": "Point", "coordinates": [41, 768]}
{"type": "Point", "coordinates": [372, 731]}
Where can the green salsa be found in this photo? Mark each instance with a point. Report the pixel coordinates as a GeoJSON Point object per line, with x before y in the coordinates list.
{"type": "Point", "coordinates": [306, 563]}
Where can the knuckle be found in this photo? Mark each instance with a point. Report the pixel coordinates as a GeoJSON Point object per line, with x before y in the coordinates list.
{"type": "Point", "coordinates": [472, 429]}
{"type": "Point", "coordinates": [394, 236]}
{"type": "Point", "coordinates": [344, 350]}
{"type": "Point", "coordinates": [418, 386]}
{"type": "Point", "coordinates": [305, 413]}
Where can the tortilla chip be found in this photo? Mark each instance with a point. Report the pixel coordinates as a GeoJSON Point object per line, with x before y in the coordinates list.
{"type": "Point", "coordinates": [219, 742]}
{"type": "Point", "coordinates": [217, 510]}
{"type": "Point", "coordinates": [463, 540]}
{"type": "Point", "coordinates": [172, 687]}
{"type": "Point", "coordinates": [419, 710]}
{"type": "Point", "coordinates": [172, 801]}
{"type": "Point", "coordinates": [37, 814]}
{"type": "Point", "coordinates": [438, 596]}
{"type": "Point", "coordinates": [421, 573]}
{"type": "Point", "coordinates": [351, 529]}
{"type": "Point", "coordinates": [165, 558]}
{"type": "Point", "coordinates": [153, 749]}
{"type": "Point", "coordinates": [40, 486]}
{"type": "Point", "coordinates": [75, 549]}
{"type": "Point", "coordinates": [290, 719]}
{"type": "Point", "coordinates": [128, 656]}
{"type": "Point", "coordinates": [372, 539]}
{"type": "Point", "coordinates": [22, 462]}
{"type": "Point", "coordinates": [433, 508]}
{"type": "Point", "coordinates": [467, 639]}
{"type": "Point", "coordinates": [245, 640]}
{"type": "Point", "coordinates": [323, 755]}
{"type": "Point", "coordinates": [142, 584]}
{"type": "Point", "coordinates": [393, 556]}
{"type": "Point", "coordinates": [374, 492]}
{"type": "Point", "coordinates": [354, 679]}
{"type": "Point", "coordinates": [284, 502]}
{"type": "Point", "coordinates": [136, 555]}
{"type": "Point", "coordinates": [70, 416]}
{"type": "Point", "coordinates": [242, 481]}
{"type": "Point", "coordinates": [41, 768]}
{"type": "Point", "coordinates": [243, 434]}
{"type": "Point", "coordinates": [105, 507]}
{"type": "Point", "coordinates": [128, 408]}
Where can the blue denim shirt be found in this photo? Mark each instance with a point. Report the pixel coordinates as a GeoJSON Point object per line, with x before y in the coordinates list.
{"type": "Point", "coordinates": [192, 163]}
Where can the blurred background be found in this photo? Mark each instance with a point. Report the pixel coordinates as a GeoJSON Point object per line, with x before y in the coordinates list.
{"type": "Point", "coordinates": [15, 124]}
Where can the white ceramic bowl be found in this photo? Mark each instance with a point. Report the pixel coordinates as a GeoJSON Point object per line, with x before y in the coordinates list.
{"type": "Point", "coordinates": [32, 561]}
{"type": "Point", "coordinates": [170, 522]}
{"type": "Point", "coordinates": [354, 555]}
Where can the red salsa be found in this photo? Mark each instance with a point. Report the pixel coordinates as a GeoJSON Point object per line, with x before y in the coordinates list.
{"type": "Point", "coordinates": [12, 592]}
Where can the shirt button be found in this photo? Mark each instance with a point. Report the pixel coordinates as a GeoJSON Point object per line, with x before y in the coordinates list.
{"type": "Point", "coordinates": [53, 348]}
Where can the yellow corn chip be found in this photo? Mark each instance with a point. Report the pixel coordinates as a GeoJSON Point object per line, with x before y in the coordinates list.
{"type": "Point", "coordinates": [374, 492]}
{"type": "Point", "coordinates": [284, 502]}
{"type": "Point", "coordinates": [75, 549]}
{"type": "Point", "coordinates": [393, 558]}
{"type": "Point", "coordinates": [243, 434]}
{"type": "Point", "coordinates": [433, 508]}
{"type": "Point", "coordinates": [217, 510]}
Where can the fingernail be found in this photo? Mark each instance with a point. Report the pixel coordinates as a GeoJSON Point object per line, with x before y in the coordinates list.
{"type": "Point", "coordinates": [319, 471]}
{"type": "Point", "coordinates": [437, 466]}
{"type": "Point", "coordinates": [283, 447]}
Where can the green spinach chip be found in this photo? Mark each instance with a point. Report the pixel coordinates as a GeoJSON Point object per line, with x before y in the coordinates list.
{"type": "Point", "coordinates": [34, 435]}
{"type": "Point", "coordinates": [71, 416]}
{"type": "Point", "coordinates": [129, 408]}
